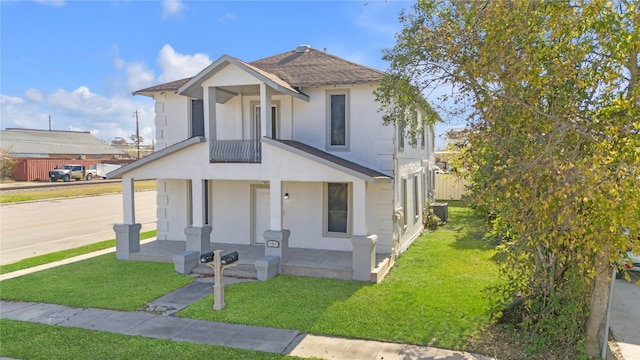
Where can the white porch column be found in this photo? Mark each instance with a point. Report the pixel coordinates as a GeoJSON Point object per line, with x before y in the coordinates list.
{"type": "Point", "coordinates": [363, 256]}
{"type": "Point", "coordinates": [363, 244]}
{"type": "Point", "coordinates": [275, 200]}
{"type": "Point", "coordinates": [128, 200]}
{"type": "Point", "coordinates": [359, 208]}
{"type": "Point", "coordinates": [209, 95]}
{"type": "Point", "coordinates": [127, 234]}
{"type": "Point", "coordinates": [198, 234]}
{"type": "Point", "coordinates": [276, 240]}
{"type": "Point", "coordinates": [197, 202]}
{"type": "Point", "coordinates": [265, 110]}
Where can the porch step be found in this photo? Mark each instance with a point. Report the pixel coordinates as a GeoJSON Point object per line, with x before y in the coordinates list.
{"type": "Point", "coordinates": [243, 271]}
{"type": "Point", "coordinates": [320, 272]}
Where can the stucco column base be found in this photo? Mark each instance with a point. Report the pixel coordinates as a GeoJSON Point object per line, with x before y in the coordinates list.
{"type": "Point", "coordinates": [364, 256]}
{"type": "Point", "coordinates": [198, 238]}
{"type": "Point", "coordinates": [276, 243]}
{"type": "Point", "coordinates": [127, 239]}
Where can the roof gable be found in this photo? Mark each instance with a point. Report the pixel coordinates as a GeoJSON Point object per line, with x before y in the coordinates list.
{"type": "Point", "coordinates": [287, 72]}
{"type": "Point", "coordinates": [193, 87]}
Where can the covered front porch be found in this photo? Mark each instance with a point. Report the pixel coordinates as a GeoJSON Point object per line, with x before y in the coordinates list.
{"type": "Point", "coordinates": [300, 262]}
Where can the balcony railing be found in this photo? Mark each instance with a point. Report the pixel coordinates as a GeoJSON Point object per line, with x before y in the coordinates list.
{"type": "Point", "coordinates": [247, 151]}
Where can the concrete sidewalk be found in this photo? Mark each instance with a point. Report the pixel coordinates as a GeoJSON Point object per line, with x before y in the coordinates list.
{"type": "Point", "coordinates": [161, 325]}
{"type": "Point", "coordinates": [231, 335]}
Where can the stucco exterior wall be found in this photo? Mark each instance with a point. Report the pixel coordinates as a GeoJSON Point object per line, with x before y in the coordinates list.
{"type": "Point", "coordinates": [172, 209]}
{"type": "Point", "coordinates": [172, 118]}
{"type": "Point", "coordinates": [370, 142]}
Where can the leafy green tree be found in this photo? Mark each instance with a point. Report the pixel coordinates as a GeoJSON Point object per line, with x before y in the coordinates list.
{"type": "Point", "coordinates": [551, 93]}
{"type": "Point", "coordinates": [7, 163]}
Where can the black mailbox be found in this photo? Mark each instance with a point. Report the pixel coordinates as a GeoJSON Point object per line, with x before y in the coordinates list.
{"type": "Point", "coordinates": [206, 257]}
{"type": "Point", "coordinates": [229, 258]}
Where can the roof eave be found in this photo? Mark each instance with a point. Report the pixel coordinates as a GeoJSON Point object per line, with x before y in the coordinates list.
{"type": "Point", "coordinates": [193, 87]}
{"type": "Point", "coordinates": [116, 174]}
{"type": "Point", "coordinates": [365, 177]}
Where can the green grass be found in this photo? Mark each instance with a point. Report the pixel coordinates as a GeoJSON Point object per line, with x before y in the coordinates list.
{"type": "Point", "coordinates": [433, 296]}
{"type": "Point", "coordinates": [24, 340]}
{"type": "Point", "coordinates": [65, 254]}
{"type": "Point", "coordinates": [71, 191]}
{"type": "Point", "coordinates": [100, 282]}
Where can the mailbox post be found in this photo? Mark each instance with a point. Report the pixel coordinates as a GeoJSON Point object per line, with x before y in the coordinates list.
{"type": "Point", "coordinates": [218, 261]}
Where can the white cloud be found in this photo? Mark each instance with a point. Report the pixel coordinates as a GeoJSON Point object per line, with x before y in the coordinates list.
{"type": "Point", "coordinates": [179, 66]}
{"type": "Point", "coordinates": [78, 110]}
{"type": "Point", "coordinates": [57, 3]}
{"type": "Point", "coordinates": [227, 17]}
{"type": "Point", "coordinates": [104, 116]}
{"type": "Point", "coordinates": [172, 8]}
{"type": "Point", "coordinates": [139, 76]}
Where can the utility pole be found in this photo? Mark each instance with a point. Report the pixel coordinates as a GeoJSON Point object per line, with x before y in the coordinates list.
{"type": "Point", "coordinates": [137, 134]}
{"type": "Point", "coordinates": [49, 122]}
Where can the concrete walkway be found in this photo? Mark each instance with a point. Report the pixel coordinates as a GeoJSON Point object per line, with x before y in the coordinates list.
{"type": "Point", "coordinates": [158, 323]}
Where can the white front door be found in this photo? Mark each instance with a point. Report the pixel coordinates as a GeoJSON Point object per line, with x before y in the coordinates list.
{"type": "Point", "coordinates": [261, 210]}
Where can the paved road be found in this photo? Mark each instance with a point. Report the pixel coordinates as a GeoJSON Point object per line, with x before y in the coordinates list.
{"type": "Point", "coordinates": [41, 227]}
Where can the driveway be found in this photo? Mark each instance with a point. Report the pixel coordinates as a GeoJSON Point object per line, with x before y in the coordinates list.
{"type": "Point", "coordinates": [625, 316]}
{"type": "Point", "coordinates": [41, 227]}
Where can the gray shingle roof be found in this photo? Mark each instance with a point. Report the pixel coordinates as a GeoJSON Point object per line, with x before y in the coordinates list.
{"type": "Point", "coordinates": [374, 175]}
{"type": "Point", "coordinates": [298, 69]}
{"type": "Point", "coordinates": [170, 86]}
{"type": "Point", "coordinates": [28, 141]}
{"type": "Point", "coordinates": [314, 68]}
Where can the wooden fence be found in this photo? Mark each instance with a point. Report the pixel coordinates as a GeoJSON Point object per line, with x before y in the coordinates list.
{"type": "Point", "coordinates": [450, 187]}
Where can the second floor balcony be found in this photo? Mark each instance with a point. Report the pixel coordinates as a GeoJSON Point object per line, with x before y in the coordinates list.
{"type": "Point", "coordinates": [236, 151]}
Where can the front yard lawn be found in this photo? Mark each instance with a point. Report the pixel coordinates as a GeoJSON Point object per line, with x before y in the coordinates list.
{"type": "Point", "coordinates": [100, 282]}
{"type": "Point", "coordinates": [433, 296]}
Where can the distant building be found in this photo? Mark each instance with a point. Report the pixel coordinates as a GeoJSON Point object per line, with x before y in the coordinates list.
{"type": "Point", "coordinates": [58, 144]}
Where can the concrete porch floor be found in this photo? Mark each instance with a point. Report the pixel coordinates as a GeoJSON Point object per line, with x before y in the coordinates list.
{"type": "Point", "coordinates": [302, 262]}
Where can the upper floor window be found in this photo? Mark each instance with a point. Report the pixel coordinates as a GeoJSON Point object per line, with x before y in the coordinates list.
{"type": "Point", "coordinates": [197, 117]}
{"type": "Point", "coordinates": [401, 135]}
{"type": "Point", "coordinates": [338, 120]}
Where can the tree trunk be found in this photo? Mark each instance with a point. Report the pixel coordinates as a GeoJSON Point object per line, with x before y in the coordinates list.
{"type": "Point", "coordinates": [598, 307]}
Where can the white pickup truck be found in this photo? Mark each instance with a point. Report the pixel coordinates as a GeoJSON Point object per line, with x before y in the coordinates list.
{"type": "Point", "coordinates": [71, 171]}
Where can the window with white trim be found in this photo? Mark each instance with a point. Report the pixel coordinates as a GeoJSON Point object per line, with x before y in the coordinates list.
{"type": "Point", "coordinates": [403, 197]}
{"type": "Point", "coordinates": [337, 120]}
{"type": "Point", "coordinates": [416, 198]}
{"type": "Point", "coordinates": [336, 216]}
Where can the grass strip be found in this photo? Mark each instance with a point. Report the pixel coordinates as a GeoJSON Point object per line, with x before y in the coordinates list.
{"type": "Point", "coordinates": [72, 191]}
{"type": "Point", "coordinates": [22, 340]}
{"type": "Point", "coordinates": [65, 254]}
{"type": "Point", "coordinates": [435, 294]}
{"type": "Point", "coordinates": [101, 282]}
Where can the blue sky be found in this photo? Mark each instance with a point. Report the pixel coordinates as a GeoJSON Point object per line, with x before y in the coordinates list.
{"type": "Point", "coordinates": [79, 61]}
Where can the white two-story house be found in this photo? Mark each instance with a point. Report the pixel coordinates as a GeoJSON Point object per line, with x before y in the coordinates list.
{"type": "Point", "coordinates": [287, 155]}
